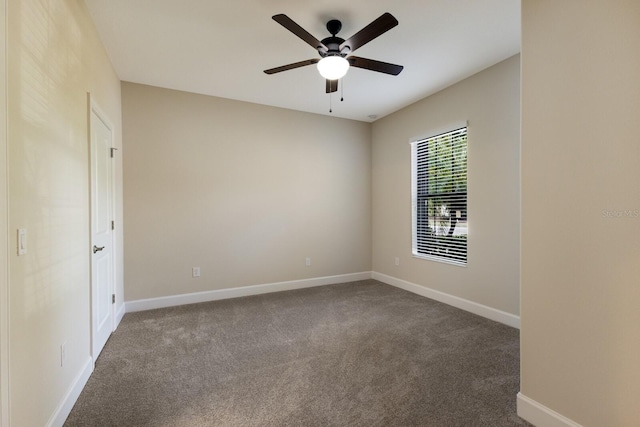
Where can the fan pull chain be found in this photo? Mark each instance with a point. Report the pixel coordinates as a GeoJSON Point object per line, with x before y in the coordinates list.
{"type": "Point", "coordinates": [342, 90]}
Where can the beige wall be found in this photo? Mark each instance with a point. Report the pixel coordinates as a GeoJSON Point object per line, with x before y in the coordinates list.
{"type": "Point", "coordinates": [243, 191]}
{"type": "Point", "coordinates": [580, 207]}
{"type": "Point", "coordinates": [4, 235]}
{"type": "Point", "coordinates": [490, 102]}
{"type": "Point", "coordinates": [55, 58]}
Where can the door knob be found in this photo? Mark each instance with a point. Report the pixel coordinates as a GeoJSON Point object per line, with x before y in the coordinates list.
{"type": "Point", "coordinates": [97, 249]}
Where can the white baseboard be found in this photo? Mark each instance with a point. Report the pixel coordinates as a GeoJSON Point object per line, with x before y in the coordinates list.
{"type": "Point", "coordinates": [174, 300]}
{"type": "Point", "coordinates": [541, 416]}
{"type": "Point", "coordinates": [461, 303]}
{"type": "Point", "coordinates": [71, 396]}
{"type": "Point", "coordinates": [197, 297]}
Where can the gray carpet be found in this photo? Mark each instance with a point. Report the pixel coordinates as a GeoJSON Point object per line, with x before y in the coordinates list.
{"type": "Point", "coordinates": [356, 354]}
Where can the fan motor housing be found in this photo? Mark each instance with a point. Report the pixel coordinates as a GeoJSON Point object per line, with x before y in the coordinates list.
{"type": "Point", "coordinates": [333, 47]}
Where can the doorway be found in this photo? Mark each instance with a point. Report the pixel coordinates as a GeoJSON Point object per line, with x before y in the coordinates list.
{"type": "Point", "coordinates": [102, 228]}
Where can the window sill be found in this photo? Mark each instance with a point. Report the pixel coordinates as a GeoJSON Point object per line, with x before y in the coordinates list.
{"type": "Point", "coordinates": [440, 260]}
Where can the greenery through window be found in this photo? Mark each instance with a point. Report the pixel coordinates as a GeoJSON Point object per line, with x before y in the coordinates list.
{"type": "Point", "coordinates": [439, 187]}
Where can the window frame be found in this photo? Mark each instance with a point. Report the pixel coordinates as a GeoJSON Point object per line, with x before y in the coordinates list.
{"type": "Point", "coordinates": [415, 197]}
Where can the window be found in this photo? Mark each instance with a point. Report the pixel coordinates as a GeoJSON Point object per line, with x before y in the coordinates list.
{"type": "Point", "coordinates": [439, 191]}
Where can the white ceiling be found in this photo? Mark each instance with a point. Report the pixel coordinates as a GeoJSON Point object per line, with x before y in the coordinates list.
{"type": "Point", "coordinates": [221, 47]}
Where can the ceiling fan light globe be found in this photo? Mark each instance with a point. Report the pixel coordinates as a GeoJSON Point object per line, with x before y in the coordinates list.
{"type": "Point", "coordinates": [333, 67]}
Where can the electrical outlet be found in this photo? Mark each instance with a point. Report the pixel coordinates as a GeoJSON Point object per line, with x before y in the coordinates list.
{"type": "Point", "coordinates": [195, 272]}
{"type": "Point", "coordinates": [307, 262]}
{"type": "Point", "coordinates": [63, 353]}
{"type": "Point", "coordinates": [397, 260]}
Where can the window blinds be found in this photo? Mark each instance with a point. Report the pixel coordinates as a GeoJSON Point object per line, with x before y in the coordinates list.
{"type": "Point", "coordinates": [440, 197]}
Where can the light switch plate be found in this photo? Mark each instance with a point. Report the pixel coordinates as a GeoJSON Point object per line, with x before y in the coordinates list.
{"type": "Point", "coordinates": [22, 241]}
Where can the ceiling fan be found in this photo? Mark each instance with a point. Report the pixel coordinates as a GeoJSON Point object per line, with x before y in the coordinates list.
{"type": "Point", "coordinates": [335, 52]}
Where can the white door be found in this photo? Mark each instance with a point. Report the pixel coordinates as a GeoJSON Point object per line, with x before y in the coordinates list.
{"type": "Point", "coordinates": [102, 253]}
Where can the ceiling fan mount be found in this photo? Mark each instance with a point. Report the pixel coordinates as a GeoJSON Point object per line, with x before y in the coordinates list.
{"type": "Point", "coordinates": [335, 46]}
{"type": "Point", "coordinates": [334, 26]}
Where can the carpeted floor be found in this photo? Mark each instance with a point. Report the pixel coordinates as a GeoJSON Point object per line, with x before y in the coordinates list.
{"type": "Point", "coordinates": [356, 354]}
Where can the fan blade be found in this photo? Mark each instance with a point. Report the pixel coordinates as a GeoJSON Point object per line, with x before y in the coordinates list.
{"type": "Point", "coordinates": [332, 86]}
{"type": "Point", "coordinates": [373, 65]}
{"type": "Point", "coordinates": [296, 29]}
{"type": "Point", "coordinates": [292, 66]}
{"type": "Point", "coordinates": [380, 26]}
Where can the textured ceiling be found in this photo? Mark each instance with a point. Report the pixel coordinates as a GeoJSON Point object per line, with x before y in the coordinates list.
{"type": "Point", "coordinates": [221, 48]}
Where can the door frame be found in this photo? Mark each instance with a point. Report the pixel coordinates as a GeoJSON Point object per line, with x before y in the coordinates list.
{"type": "Point", "coordinates": [4, 222]}
{"type": "Point", "coordinates": [94, 108]}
